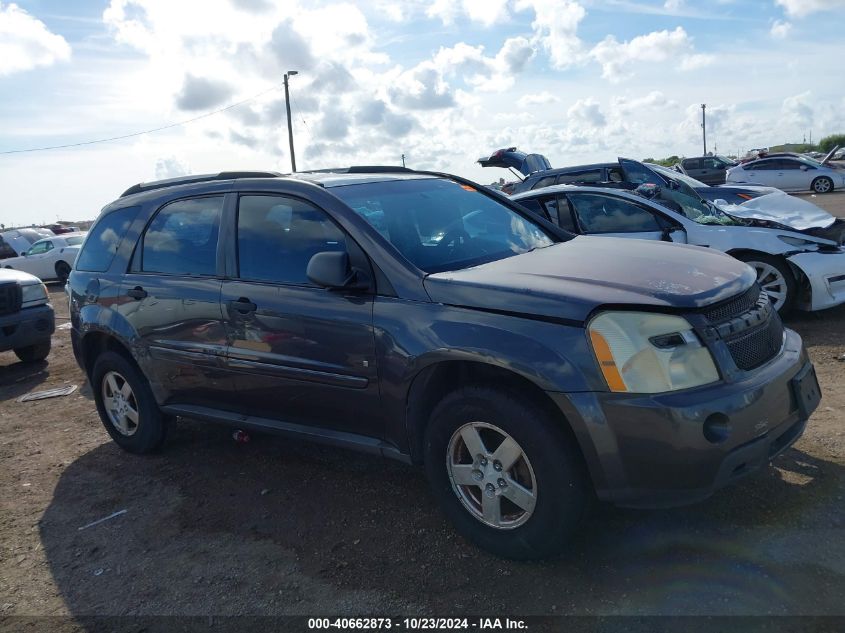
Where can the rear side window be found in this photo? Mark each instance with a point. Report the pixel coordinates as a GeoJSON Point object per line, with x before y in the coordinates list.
{"type": "Point", "coordinates": [546, 181]}
{"type": "Point", "coordinates": [594, 175]}
{"type": "Point", "coordinates": [75, 241]}
{"type": "Point", "coordinates": [692, 163]}
{"type": "Point", "coordinates": [605, 214]}
{"type": "Point", "coordinates": [104, 239]}
{"type": "Point", "coordinates": [182, 238]}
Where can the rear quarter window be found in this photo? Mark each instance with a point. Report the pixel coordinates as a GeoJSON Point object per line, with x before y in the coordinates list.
{"type": "Point", "coordinates": [104, 239]}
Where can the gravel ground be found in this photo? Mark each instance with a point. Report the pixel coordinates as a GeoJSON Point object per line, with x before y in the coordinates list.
{"type": "Point", "coordinates": [279, 527]}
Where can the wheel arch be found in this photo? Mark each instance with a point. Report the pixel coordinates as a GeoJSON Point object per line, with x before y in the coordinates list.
{"type": "Point", "coordinates": [95, 343]}
{"type": "Point", "coordinates": [435, 381]}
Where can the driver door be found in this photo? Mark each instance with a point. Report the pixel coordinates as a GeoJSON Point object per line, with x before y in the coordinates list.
{"type": "Point", "coordinates": [299, 353]}
{"type": "Point", "coordinates": [38, 259]}
{"type": "Point", "coordinates": [610, 216]}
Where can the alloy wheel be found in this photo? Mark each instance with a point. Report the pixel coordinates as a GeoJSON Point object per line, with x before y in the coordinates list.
{"type": "Point", "coordinates": [822, 185]}
{"type": "Point", "coordinates": [772, 282]}
{"type": "Point", "coordinates": [120, 403]}
{"type": "Point", "coordinates": [491, 475]}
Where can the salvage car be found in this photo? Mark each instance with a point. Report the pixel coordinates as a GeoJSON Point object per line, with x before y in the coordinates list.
{"type": "Point", "coordinates": [27, 321]}
{"type": "Point", "coordinates": [796, 266]}
{"type": "Point", "coordinates": [423, 317]}
{"type": "Point", "coordinates": [535, 175]}
{"type": "Point", "coordinates": [789, 173]}
{"type": "Point", "coordinates": [17, 241]}
{"type": "Point", "coordinates": [709, 170]}
{"type": "Point", "coordinates": [49, 259]}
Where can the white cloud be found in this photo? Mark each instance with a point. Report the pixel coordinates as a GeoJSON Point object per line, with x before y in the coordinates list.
{"type": "Point", "coordinates": [556, 29]}
{"type": "Point", "coordinates": [540, 98]}
{"type": "Point", "coordinates": [171, 167]}
{"type": "Point", "coordinates": [587, 111]}
{"type": "Point", "coordinates": [780, 29]}
{"type": "Point", "coordinates": [654, 100]}
{"type": "Point", "coordinates": [801, 8]}
{"type": "Point", "coordinates": [798, 111]}
{"type": "Point", "coordinates": [201, 93]}
{"type": "Point", "coordinates": [485, 12]}
{"type": "Point", "coordinates": [26, 42]}
{"type": "Point", "coordinates": [616, 58]}
{"type": "Point", "coordinates": [673, 5]}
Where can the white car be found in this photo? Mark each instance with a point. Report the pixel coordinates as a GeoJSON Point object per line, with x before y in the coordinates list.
{"type": "Point", "coordinates": [50, 258]}
{"type": "Point", "coordinates": [797, 269]}
{"type": "Point", "coordinates": [789, 173]}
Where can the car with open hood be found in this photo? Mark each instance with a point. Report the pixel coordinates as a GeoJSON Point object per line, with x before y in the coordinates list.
{"type": "Point", "coordinates": [420, 316]}
{"type": "Point", "coordinates": [49, 258]}
{"type": "Point", "coordinates": [797, 265]}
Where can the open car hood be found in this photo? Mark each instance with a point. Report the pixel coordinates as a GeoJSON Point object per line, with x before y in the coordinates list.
{"type": "Point", "coordinates": [826, 160]}
{"type": "Point", "coordinates": [782, 209]}
{"type": "Point", "coordinates": [525, 164]}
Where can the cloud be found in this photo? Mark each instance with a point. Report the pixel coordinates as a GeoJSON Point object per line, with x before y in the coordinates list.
{"type": "Point", "coordinates": [540, 98]}
{"type": "Point", "coordinates": [654, 100]}
{"type": "Point", "coordinates": [334, 126]}
{"type": "Point", "coordinates": [171, 167]}
{"type": "Point", "coordinates": [780, 29]}
{"type": "Point", "coordinates": [256, 6]}
{"type": "Point", "coordinates": [515, 54]}
{"type": "Point", "coordinates": [616, 57]}
{"type": "Point", "coordinates": [587, 111]}
{"type": "Point", "coordinates": [802, 8]}
{"type": "Point", "coordinates": [201, 93]}
{"type": "Point", "coordinates": [422, 88]}
{"type": "Point", "coordinates": [555, 27]}
{"type": "Point", "coordinates": [26, 42]}
{"type": "Point", "coordinates": [486, 12]}
{"type": "Point", "coordinates": [798, 111]}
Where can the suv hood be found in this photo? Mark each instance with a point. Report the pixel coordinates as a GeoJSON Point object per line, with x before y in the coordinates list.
{"type": "Point", "coordinates": [18, 276]}
{"type": "Point", "coordinates": [569, 280]}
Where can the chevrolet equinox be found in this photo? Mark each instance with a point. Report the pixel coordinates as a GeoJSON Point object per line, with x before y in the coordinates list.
{"type": "Point", "coordinates": [422, 317]}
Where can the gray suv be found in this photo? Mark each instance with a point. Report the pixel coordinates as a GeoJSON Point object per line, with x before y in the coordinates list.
{"type": "Point", "coordinates": [421, 317]}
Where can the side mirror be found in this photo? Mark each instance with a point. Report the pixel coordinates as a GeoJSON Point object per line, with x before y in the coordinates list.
{"type": "Point", "coordinates": [331, 269]}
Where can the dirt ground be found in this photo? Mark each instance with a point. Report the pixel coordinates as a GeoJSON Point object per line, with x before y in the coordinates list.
{"type": "Point", "coordinates": [280, 527]}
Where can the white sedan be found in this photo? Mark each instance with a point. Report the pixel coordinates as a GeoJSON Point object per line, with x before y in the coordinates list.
{"type": "Point", "coordinates": [50, 258]}
{"type": "Point", "coordinates": [789, 173]}
{"type": "Point", "coordinates": [795, 268]}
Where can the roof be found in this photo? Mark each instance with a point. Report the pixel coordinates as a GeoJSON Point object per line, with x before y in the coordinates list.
{"type": "Point", "coordinates": [337, 178]}
{"type": "Point", "coordinates": [624, 193]}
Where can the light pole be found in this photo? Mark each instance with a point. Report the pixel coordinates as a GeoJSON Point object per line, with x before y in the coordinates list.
{"type": "Point", "coordinates": [703, 128]}
{"type": "Point", "coordinates": [290, 73]}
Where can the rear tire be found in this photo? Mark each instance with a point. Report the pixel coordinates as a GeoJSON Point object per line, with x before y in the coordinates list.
{"type": "Point", "coordinates": [774, 273]}
{"type": "Point", "coordinates": [537, 493]}
{"type": "Point", "coordinates": [822, 184]}
{"type": "Point", "coordinates": [33, 353]}
{"type": "Point", "coordinates": [62, 271]}
{"type": "Point", "coordinates": [126, 404]}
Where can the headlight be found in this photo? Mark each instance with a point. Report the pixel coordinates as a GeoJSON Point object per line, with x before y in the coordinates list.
{"type": "Point", "coordinates": [34, 294]}
{"type": "Point", "coordinates": [640, 352]}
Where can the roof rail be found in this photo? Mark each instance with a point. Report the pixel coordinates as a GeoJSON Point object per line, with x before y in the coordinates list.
{"type": "Point", "coordinates": [185, 180]}
{"type": "Point", "coordinates": [360, 169]}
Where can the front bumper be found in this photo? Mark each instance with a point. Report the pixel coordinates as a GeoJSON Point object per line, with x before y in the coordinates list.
{"type": "Point", "coordinates": [27, 327]}
{"type": "Point", "coordinates": [826, 275]}
{"type": "Point", "coordinates": [652, 451]}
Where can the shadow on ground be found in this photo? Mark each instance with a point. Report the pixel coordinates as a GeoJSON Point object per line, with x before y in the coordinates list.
{"type": "Point", "coordinates": [277, 527]}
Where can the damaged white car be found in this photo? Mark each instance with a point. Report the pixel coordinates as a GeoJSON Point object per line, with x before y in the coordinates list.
{"type": "Point", "coordinates": [795, 249]}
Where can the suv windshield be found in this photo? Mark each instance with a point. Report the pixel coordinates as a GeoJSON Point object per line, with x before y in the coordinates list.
{"type": "Point", "coordinates": [438, 224]}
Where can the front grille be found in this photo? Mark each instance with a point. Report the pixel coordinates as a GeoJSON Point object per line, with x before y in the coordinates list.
{"type": "Point", "coordinates": [754, 348]}
{"type": "Point", "coordinates": [733, 307]}
{"type": "Point", "coordinates": [10, 298]}
{"type": "Point", "coordinates": [749, 326]}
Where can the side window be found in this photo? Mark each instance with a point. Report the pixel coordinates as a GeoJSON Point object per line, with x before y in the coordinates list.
{"type": "Point", "coordinates": [564, 214]}
{"type": "Point", "coordinates": [606, 214]}
{"type": "Point", "coordinates": [103, 240]}
{"type": "Point", "coordinates": [593, 175]}
{"type": "Point", "coordinates": [692, 163]}
{"type": "Point", "coordinates": [182, 238]}
{"type": "Point", "coordinates": [614, 174]}
{"type": "Point", "coordinates": [762, 165]}
{"type": "Point", "coordinates": [278, 236]}
{"type": "Point", "coordinates": [711, 163]}
{"type": "Point", "coordinates": [546, 181]}
{"type": "Point", "coordinates": [790, 164]}
{"type": "Point", "coordinates": [533, 205]}
{"type": "Point", "coordinates": [41, 247]}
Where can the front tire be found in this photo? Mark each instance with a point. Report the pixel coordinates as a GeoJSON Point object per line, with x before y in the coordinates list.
{"type": "Point", "coordinates": [62, 271]}
{"type": "Point", "coordinates": [775, 279]}
{"type": "Point", "coordinates": [33, 353]}
{"type": "Point", "coordinates": [505, 473]}
{"type": "Point", "coordinates": [822, 184]}
{"type": "Point", "coordinates": [126, 404]}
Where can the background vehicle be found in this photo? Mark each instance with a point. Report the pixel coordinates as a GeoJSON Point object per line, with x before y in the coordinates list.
{"type": "Point", "coordinates": [600, 174]}
{"type": "Point", "coordinates": [789, 173]}
{"type": "Point", "coordinates": [423, 317]}
{"type": "Point", "coordinates": [794, 268]}
{"type": "Point", "coordinates": [709, 170]}
{"type": "Point", "coordinates": [27, 321]}
{"type": "Point", "coordinates": [50, 258]}
{"type": "Point", "coordinates": [17, 241]}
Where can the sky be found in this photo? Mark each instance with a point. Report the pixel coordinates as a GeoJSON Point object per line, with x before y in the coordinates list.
{"type": "Point", "coordinates": [441, 81]}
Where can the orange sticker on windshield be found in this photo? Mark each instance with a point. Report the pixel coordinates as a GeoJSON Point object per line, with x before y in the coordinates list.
{"type": "Point", "coordinates": [467, 187]}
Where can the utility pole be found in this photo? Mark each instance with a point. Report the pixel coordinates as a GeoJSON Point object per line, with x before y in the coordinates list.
{"type": "Point", "coordinates": [290, 73]}
{"type": "Point", "coordinates": [704, 128]}
{"type": "Point", "coordinates": [403, 160]}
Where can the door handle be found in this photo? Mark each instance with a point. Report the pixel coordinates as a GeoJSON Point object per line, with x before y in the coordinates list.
{"type": "Point", "coordinates": [243, 305]}
{"type": "Point", "coordinates": [137, 293]}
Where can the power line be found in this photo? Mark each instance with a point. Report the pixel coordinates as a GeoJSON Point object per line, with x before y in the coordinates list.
{"type": "Point", "coordinates": [133, 134]}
